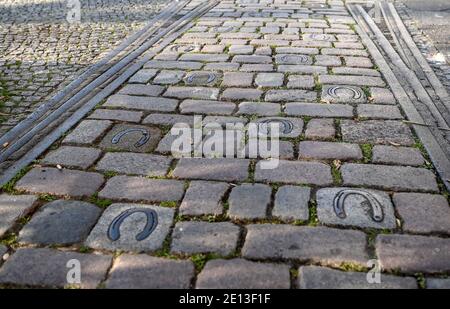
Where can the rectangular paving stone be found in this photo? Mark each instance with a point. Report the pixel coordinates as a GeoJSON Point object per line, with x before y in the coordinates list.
{"type": "Point", "coordinates": [13, 207]}
{"type": "Point", "coordinates": [169, 77]}
{"type": "Point", "coordinates": [142, 103]}
{"type": "Point", "coordinates": [60, 223]}
{"type": "Point", "coordinates": [243, 274]}
{"type": "Point", "coordinates": [265, 42]}
{"type": "Point", "coordinates": [241, 94]}
{"type": "Point", "coordinates": [300, 243]}
{"type": "Point", "coordinates": [120, 115]}
{"type": "Point", "coordinates": [256, 68]}
{"type": "Point", "coordinates": [133, 138]}
{"type": "Point", "coordinates": [260, 109]}
{"type": "Point", "coordinates": [269, 79]}
{"type": "Point", "coordinates": [237, 79]}
{"type": "Point", "coordinates": [143, 76]}
{"type": "Point", "coordinates": [168, 119]}
{"type": "Point", "coordinates": [344, 52]}
{"type": "Point", "coordinates": [397, 155]}
{"type": "Point", "coordinates": [252, 59]}
{"type": "Point", "coordinates": [301, 81]}
{"type": "Point", "coordinates": [351, 80]}
{"type": "Point", "coordinates": [302, 69]}
{"type": "Point", "coordinates": [291, 203]}
{"type": "Point", "coordinates": [290, 95]}
{"type": "Point", "coordinates": [423, 213]}
{"type": "Point", "coordinates": [359, 62]}
{"type": "Point", "coordinates": [342, 94]}
{"type": "Point", "coordinates": [297, 50]}
{"type": "Point", "coordinates": [355, 207]}
{"type": "Point", "coordinates": [148, 272]}
{"type": "Point", "coordinates": [204, 237]}
{"type": "Point", "coordinates": [142, 189]}
{"type": "Point", "coordinates": [87, 132]}
{"type": "Point", "coordinates": [204, 57]}
{"type": "Point", "coordinates": [48, 268]}
{"type": "Point", "coordinates": [68, 156]}
{"type": "Point", "coordinates": [60, 182]}
{"type": "Point", "coordinates": [376, 132]}
{"type": "Point", "coordinates": [437, 283]}
{"type": "Point", "coordinates": [203, 198]}
{"type": "Point", "coordinates": [130, 233]}
{"type": "Point", "coordinates": [382, 96]}
{"type": "Point", "coordinates": [378, 111]}
{"type": "Point", "coordinates": [315, 277]}
{"type": "Point", "coordinates": [320, 129]}
{"type": "Point", "coordinates": [249, 201]}
{"type": "Point", "coordinates": [412, 254]}
{"type": "Point", "coordinates": [356, 71]}
{"type": "Point", "coordinates": [205, 93]}
{"type": "Point", "coordinates": [389, 177]}
{"type": "Point", "coordinates": [221, 66]}
{"type": "Point", "coordinates": [142, 90]}
{"type": "Point", "coordinates": [221, 169]}
{"type": "Point", "coordinates": [207, 107]}
{"type": "Point", "coordinates": [181, 65]}
{"type": "Point", "coordinates": [296, 172]}
{"type": "Point", "coordinates": [329, 151]}
{"type": "Point", "coordinates": [241, 49]}
{"type": "Point", "coordinates": [134, 164]}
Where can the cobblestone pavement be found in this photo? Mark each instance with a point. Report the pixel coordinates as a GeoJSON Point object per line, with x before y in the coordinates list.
{"type": "Point", "coordinates": [353, 185]}
{"type": "Point", "coordinates": [41, 52]}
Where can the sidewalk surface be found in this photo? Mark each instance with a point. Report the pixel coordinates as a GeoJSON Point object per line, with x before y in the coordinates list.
{"type": "Point", "coordinates": [354, 187]}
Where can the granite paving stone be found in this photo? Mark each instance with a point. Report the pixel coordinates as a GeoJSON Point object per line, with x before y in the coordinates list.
{"type": "Point", "coordinates": [319, 110]}
{"type": "Point", "coordinates": [204, 237]}
{"type": "Point", "coordinates": [60, 223]}
{"type": "Point", "coordinates": [320, 129]}
{"type": "Point", "coordinates": [142, 189]}
{"type": "Point", "coordinates": [142, 90]}
{"type": "Point", "coordinates": [134, 164]}
{"type": "Point", "coordinates": [132, 230]}
{"type": "Point", "coordinates": [436, 283]}
{"type": "Point", "coordinates": [329, 151]}
{"type": "Point", "coordinates": [291, 203]}
{"type": "Point", "coordinates": [243, 274]}
{"type": "Point", "coordinates": [315, 277]}
{"type": "Point", "coordinates": [287, 242]}
{"type": "Point", "coordinates": [423, 213]}
{"type": "Point", "coordinates": [120, 115]}
{"type": "Point", "coordinates": [249, 201]}
{"type": "Point", "coordinates": [221, 169]}
{"type": "Point", "coordinates": [203, 198]}
{"type": "Point", "coordinates": [142, 103]}
{"type": "Point", "coordinates": [77, 157]}
{"type": "Point", "coordinates": [135, 138]}
{"type": "Point", "coordinates": [60, 182]}
{"type": "Point", "coordinates": [87, 132]}
{"type": "Point", "coordinates": [148, 272]}
{"type": "Point", "coordinates": [48, 268]}
{"type": "Point", "coordinates": [397, 155]}
{"type": "Point", "coordinates": [12, 208]}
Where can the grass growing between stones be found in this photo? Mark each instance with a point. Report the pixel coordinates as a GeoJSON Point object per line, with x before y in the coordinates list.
{"type": "Point", "coordinates": [421, 282]}
{"type": "Point", "coordinates": [313, 219]}
{"type": "Point", "coordinates": [45, 197]}
{"type": "Point", "coordinates": [200, 260]}
{"type": "Point", "coordinates": [9, 240]}
{"type": "Point", "coordinates": [102, 203]}
{"type": "Point", "coordinates": [367, 152]}
{"type": "Point", "coordinates": [169, 204]}
{"type": "Point", "coordinates": [337, 177]}
{"type": "Point", "coordinates": [347, 266]}
{"type": "Point", "coordinates": [9, 186]}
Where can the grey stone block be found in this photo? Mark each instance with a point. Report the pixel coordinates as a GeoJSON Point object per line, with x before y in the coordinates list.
{"type": "Point", "coordinates": [203, 237]}
{"type": "Point", "coordinates": [291, 203]}
{"type": "Point", "coordinates": [48, 268]}
{"type": "Point", "coordinates": [435, 283]}
{"type": "Point", "coordinates": [355, 207]}
{"type": "Point", "coordinates": [243, 274]}
{"type": "Point", "coordinates": [233, 94]}
{"type": "Point", "coordinates": [203, 198]}
{"type": "Point", "coordinates": [293, 59]}
{"type": "Point", "coordinates": [143, 76]}
{"type": "Point", "coordinates": [169, 77]}
{"type": "Point", "coordinates": [287, 242]}
{"type": "Point", "coordinates": [314, 277]}
{"type": "Point", "coordinates": [142, 90]}
{"type": "Point", "coordinates": [142, 103]}
{"type": "Point", "coordinates": [108, 114]}
{"type": "Point", "coordinates": [301, 81]}
{"type": "Point", "coordinates": [201, 93]}
{"type": "Point", "coordinates": [397, 155]}
{"type": "Point", "coordinates": [134, 138]}
{"type": "Point", "coordinates": [13, 207]}
{"type": "Point", "coordinates": [379, 111]}
{"type": "Point", "coordinates": [142, 189]}
{"type": "Point", "coordinates": [87, 132]}
{"type": "Point", "coordinates": [130, 237]}
{"type": "Point", "coordinates": [168, 119]}
{"type": "Point", "coordinates": [321, 129]}
{"type": "Point", "coordinates": [269, 79]}
{"type": "Point", "coordinates": [290, 95]}
{"type": "Point", "coordinates": [329, 151]}
{"type": "Point", "coordinates": [343, 94]}
{"type": "Point", "coordinates": [249, 201]}
{"type": "Point", "coordinates": [148, 272]}
{"type": "Point", "coordinates": [134, 164]}
{"type": "Point", "coordinates": [78, 157]}
{"type": "Point", "coordinates": [221, 169]}
{"type": "Point", "coordinates": [60, 182]}
{"type": "Point", "coordinates": [60, 223]}
{"type": "Point", "coordinates": [319, 110]}
{"type": "Point", "coordinates": [296, 172]}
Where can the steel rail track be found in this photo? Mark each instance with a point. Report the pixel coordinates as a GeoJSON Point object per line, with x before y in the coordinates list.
{"type": "Point", "coordinates": [408, 90]}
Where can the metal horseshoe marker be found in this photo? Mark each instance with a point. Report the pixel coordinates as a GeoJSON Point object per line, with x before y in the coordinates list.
{"type": "Point", "coordinates": [150, 226]}
{"type": "Point", "coordinates": [141, 142]}
{"type": "Point", "coordinates": [375, 206]}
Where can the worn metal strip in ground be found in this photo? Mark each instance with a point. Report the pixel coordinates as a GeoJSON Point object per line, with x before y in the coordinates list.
{"type": "Point", "coordinates": [425, 134]}
{"type": "Point", "coordinates": [173, 31]}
